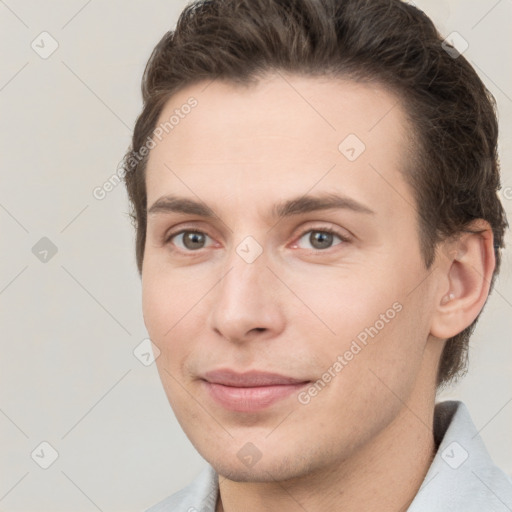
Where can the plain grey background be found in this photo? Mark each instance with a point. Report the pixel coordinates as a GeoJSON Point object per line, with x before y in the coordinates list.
{"type": "Point", "coordinates": [70, 324]}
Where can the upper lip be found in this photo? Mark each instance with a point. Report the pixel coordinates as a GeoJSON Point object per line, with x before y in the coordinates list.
{"type": "Point", "coordinates": [249, 379]}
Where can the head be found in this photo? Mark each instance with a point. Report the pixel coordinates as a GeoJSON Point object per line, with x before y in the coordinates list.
{"type": "Point", "coordinates": [258, 110]}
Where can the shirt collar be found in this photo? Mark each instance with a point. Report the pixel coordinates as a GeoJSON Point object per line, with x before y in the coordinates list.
{"type": "Point", "coordinates": [462, 475]}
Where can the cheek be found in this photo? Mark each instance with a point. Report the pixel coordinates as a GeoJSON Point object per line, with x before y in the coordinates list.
{"type": "Point", "coordinates": [162, 309]}
{"type": "Point", "coordinates": [347, 301]}
{"type": "Point", "coordinates": [171, 303]}
{"type": "Point", "coordinates": [392, 343]}
{"type": "Point", "coordinates": [373, 319]}
{"type": "Point", "coordinates": [154, 305]}
{"type": "Point", "coordinates": [167, 296]}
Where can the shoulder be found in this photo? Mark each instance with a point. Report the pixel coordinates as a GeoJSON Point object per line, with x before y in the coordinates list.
{"type": "Point", "coordinates": [199, 496]}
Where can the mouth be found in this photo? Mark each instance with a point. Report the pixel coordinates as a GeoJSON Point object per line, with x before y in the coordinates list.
{"type": "Point", "coordinates": [251, 391]}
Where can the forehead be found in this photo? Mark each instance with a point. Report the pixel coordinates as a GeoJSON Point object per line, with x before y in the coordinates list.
{"type": "Point", "coordinates": [285, 135]}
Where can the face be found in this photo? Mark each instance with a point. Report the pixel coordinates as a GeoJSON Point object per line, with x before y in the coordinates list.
{"type": "Point", "coordinates": [283, 282]}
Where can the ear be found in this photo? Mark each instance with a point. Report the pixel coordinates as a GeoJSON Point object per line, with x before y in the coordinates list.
{"type": "Point", "coordinates": [467, 266]}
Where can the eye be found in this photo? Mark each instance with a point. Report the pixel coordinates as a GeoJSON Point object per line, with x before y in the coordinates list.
{"type": "Point", "coordinates": [188, 240]}
{"type": "Point", "coordinates": [320, 239]}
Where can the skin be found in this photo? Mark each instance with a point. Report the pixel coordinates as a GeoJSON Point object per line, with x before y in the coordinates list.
{"type": "Point", "coordinates": [365, 441]}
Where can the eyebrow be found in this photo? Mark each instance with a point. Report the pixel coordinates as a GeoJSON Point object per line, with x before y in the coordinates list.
{"type": "Point", "coordinates": [291, 207]}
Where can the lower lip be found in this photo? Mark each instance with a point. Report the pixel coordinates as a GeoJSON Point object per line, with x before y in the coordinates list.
{"type": "Point", "coordinates": [251, 399]}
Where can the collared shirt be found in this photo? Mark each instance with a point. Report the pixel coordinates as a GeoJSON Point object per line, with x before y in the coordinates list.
{"type": "Point", "coordinates": [462, 476]}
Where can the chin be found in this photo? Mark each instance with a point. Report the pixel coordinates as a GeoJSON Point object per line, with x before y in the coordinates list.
{"type": "Point", "coordinates": [264, 471]}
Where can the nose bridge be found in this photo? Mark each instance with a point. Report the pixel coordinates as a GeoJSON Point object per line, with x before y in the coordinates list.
{"type": "Point", "coordinates": [244, 300]}
{"type": "Point", "coordinates": [244, 282]}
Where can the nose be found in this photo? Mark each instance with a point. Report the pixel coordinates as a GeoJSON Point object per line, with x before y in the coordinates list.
{"type": "Point", "coordinates": [246, 302]}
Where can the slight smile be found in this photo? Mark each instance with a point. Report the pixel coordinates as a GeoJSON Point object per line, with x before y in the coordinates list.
{"type": "Point", "coordinates": [251, 391]}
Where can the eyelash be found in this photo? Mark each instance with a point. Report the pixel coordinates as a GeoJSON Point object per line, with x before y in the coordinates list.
{"type": "Point", "coordinates": [331, 231]}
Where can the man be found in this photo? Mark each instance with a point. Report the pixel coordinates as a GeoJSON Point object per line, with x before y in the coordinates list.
{"type": "Point", "coordinates": [313, 186]}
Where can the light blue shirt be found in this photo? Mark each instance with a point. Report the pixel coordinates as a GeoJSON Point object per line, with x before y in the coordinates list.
{"type": "Point", "coordinates": [462, 476]}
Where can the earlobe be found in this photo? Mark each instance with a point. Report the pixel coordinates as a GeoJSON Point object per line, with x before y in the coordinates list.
{"type": "Point", "coordinates": [468, 273]}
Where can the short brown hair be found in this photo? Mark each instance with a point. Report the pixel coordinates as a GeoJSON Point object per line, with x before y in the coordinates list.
{"type": "Point", "coordinates": [454, 173]}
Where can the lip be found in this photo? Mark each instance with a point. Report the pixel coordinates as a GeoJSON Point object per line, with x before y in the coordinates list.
{"type": "Point", "coordinates": [250, 391]}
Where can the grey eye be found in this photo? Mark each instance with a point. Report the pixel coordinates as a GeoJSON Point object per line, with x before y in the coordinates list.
{"type": "Point", "coordinates": [319, 239]}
